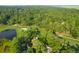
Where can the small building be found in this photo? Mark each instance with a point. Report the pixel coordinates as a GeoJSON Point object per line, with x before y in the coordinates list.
{"type": "Point", "coordinates": [60, 34]}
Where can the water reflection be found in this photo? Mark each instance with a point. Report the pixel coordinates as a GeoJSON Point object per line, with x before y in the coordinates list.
{"type": "Point", "coordinates": [8, 34]}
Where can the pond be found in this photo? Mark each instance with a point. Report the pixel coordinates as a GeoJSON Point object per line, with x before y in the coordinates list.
{"type": "Point", "coordinates": [8, 34]}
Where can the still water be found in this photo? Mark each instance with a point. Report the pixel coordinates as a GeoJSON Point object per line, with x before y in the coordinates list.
{"type": "Point", "coordinates": [8, 34]}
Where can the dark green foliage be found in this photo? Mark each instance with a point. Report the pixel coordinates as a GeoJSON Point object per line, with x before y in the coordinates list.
{"type": "Point", "coordinates": [31, 50]}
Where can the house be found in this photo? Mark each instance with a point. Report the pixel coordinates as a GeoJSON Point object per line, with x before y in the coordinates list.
{"type": "Point", "coordinates": [60, 34]}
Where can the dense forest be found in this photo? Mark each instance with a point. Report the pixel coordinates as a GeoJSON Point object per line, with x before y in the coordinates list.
{"type": "Point", "coordinates": [39, 29]}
